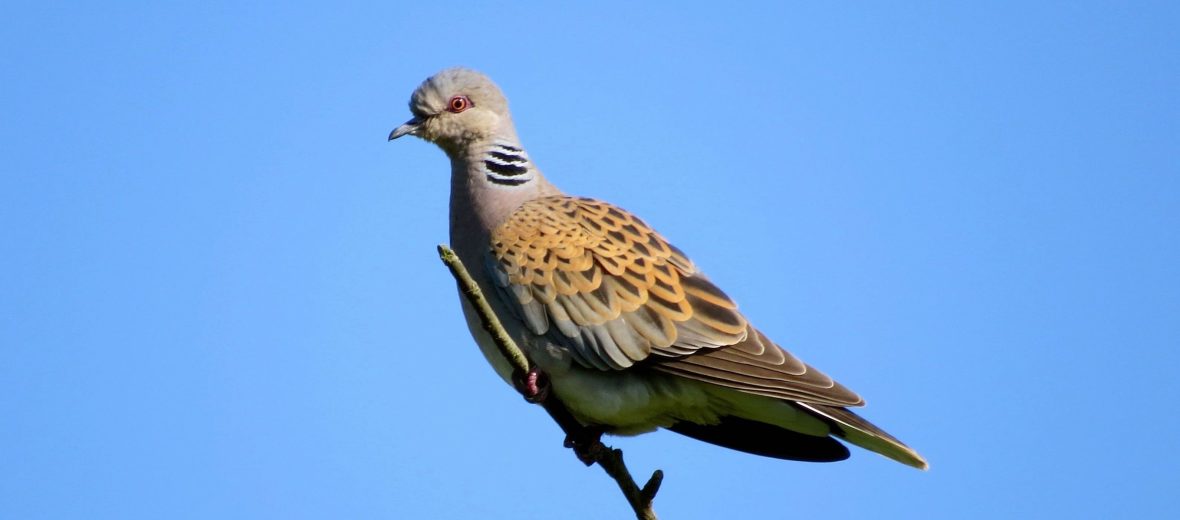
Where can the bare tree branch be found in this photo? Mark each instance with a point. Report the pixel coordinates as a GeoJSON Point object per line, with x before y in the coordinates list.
{"type": "Point", "coordinates": [585, 441]}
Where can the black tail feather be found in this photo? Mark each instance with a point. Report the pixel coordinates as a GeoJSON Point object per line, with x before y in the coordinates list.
{"type": "Point", "coordinates": [765, 439]}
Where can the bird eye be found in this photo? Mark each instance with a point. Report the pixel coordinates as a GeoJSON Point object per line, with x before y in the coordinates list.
{"type": "Point", "coordinates": [458, 104]}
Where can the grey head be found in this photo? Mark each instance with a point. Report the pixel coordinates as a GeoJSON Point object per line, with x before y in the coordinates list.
{"type": "Point", "coordinates": [466, 115]}
{"type": "Point", "coordinates": [458, 109]}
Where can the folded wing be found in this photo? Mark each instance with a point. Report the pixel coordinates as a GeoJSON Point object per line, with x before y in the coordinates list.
{"type": "Point", "coordinates": [603, 284]}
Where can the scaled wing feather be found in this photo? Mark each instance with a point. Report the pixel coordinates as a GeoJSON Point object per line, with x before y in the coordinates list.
{"type": "Point", "coordinates": [600, 282]}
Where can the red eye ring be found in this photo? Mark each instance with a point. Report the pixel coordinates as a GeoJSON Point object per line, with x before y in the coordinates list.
{"type": "Point", "coordinates": [458, 104]}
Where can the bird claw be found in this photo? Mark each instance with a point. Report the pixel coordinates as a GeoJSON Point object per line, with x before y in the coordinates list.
{"type": "Point", "coordinates": [586, 441]}
{"type": "Point", "coordinates": [534, 386]}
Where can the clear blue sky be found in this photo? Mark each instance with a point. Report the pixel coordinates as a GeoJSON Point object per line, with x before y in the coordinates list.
{"type": "Point", "coordinates": [219, 296]}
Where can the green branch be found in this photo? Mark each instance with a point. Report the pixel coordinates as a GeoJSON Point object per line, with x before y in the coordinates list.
{"type": "Point", "coordinates": [585, 441]}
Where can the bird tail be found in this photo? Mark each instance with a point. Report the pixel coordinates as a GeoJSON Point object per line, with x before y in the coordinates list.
{"type": "Point", "coordinates": [855, 429]}
{"type": "Point", "coordinates": [764, 439]}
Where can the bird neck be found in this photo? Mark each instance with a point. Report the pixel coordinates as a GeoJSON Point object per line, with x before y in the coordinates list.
{"type": "Point", "coordinates": [502, 163]}
{"type": "Point", "coordinates": [488, 182]}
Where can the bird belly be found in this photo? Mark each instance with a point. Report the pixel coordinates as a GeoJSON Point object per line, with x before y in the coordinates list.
{"type": "Point", "coordinates": [633, 402]}
{"type": "Point", "coordinates": [487, 345]}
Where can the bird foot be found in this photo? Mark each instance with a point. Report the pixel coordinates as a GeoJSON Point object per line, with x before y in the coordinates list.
{"type": "Point", "coordinates": [534, 386]}
{"type": "Point", "coordinates": [586, 441]}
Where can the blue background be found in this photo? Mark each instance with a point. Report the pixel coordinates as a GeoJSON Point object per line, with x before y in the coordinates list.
{"type": "Point", "coordinates": [219, 294]}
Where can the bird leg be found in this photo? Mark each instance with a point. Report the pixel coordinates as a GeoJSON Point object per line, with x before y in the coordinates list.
{"type": "Point", "coordinates": [533, 385]}
{"type": "Point", "coordinates": [586, 441]}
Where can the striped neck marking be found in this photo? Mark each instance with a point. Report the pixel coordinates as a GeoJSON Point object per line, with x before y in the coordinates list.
{"type": "Point", "coordinates": [507, 165]}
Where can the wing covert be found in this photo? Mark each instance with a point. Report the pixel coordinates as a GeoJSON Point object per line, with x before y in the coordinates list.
{"type": "Point", "coordinates": [602, 283]}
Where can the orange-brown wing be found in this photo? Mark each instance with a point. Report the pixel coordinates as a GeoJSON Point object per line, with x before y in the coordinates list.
{"type": "Point", "coordinates": [603, 284]}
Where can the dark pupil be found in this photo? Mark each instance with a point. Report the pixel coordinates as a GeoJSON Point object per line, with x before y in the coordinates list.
{"type": "Point", "coordinates": [458, 104]}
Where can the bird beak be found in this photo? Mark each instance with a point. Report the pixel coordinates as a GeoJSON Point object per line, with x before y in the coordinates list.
{"type": "Point", "coordinates": [411, 127]}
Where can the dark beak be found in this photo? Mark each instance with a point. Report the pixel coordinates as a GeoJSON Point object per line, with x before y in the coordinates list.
{"type": "Point", "coordinates": [411, 127]}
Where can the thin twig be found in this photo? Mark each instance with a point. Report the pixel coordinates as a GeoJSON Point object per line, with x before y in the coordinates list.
{"type": "Point", "coordinates": [584, 440]}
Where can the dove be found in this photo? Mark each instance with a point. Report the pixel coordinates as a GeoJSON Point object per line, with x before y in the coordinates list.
{"type": "Point", "coordinates": [627, 331]}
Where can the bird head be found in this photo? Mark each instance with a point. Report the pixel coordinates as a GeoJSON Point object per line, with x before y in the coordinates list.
{"type": "Point", "coordinates": [457, 107]}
